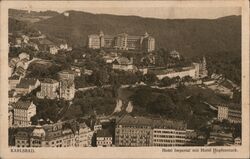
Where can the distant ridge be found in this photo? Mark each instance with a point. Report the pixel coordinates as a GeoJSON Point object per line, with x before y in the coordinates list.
{"type": "Point", "coordinates": [191, 37]}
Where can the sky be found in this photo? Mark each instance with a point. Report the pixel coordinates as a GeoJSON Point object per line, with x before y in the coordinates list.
{"type": "Point", "coordinates": [145, 9]}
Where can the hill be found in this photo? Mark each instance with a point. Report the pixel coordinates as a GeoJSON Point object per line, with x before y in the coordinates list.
{"type": "Point", "coordinates": [32, 16]}
{"type": "Point", "coordinates": [191, 37]}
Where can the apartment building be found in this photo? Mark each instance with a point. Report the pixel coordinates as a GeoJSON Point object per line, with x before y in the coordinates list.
{"type": "Point", "coordinates": [49, 89]}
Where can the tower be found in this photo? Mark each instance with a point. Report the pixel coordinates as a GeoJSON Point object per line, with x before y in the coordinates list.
{"type": "Point", "coordinates": [203, 69]}
{"type": "Point", "coordinates": [101, 34]}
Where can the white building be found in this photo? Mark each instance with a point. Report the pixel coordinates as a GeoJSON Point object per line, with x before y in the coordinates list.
{"type": "Point", "coordinates": [230, 113]}
{"type": "Point", "coordinates": [49, 89]}
{"type": "Point", "coordinates": [23, 111]}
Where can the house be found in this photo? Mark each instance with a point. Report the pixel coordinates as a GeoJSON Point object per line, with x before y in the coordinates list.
{"type": "Point", "coordinates": [20, 71]}
{"type": "Point", "coordinates": [49, 89]}
{"type": "Point", "coordinates": [123, 63]}
{"type": "Point", "coordinates": [53, 49]}
{"type": "Point", "coordinates": [237, 141]}
{"type": "Point", "coordinates": [13, 81]}
{"type": "Point", "coordinates": [220, 138]}
{"type": "Point", "coordinates": [13, 96]}
{"type": "Point", "coordinates": [104, 138]}
{"type": "Point", "coordinates": [24, 55]}
{"type": "Point", "coordinates": [230, 112]}
{"type": "Point", "coordinates": [26, 85]}
{"type": "Point", "coordinates": [23, 111]}
{"type": "Point", "coordinates": [174, 54]}
{"type": "Point", "coordinates": [85, 135]}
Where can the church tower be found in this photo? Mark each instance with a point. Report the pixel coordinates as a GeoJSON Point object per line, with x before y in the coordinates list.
{"type": "Point", "coordinates": [203, 69]}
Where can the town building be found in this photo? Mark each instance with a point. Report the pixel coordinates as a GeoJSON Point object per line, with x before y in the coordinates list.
{"type": "Point", "coordinates": [24, 55]}
{"type": "Point", "coordinates": [230, 112]}
{"type": "Point", "coordinates": [66, 75]}
{"type": "Point", "coordinates": [94, 41]}
{"type": "Point", "coordinates": [237, 141]}
{"type": "Point", "coordinates": [133, 132]}
{"type": "Point", "coordinates": [221, 138]}
{"type": "Point", "coordinates": [13, 81]}
{"type": "Point", "coordinates": [169, 133]}
{"type": "Point", "coordinates": [53, 49]}
{"type": "Point", "coordinates": [104, 138]}
{"type": "Point", "coordinates": [37, 136]}
{"type": "Point", "coordinates": [26, 85]}
{"type": "Point", "coordinates": [203, 68]}
{"type": "Point", "coordinates": [10, 116]}
{"type": "Point", "coordinates": [175, 54]}
{"type": "Point", "coordinates": [85, 135]}
{"type": "Point", "coordinates": [123, 63]}
{"type": "Point", "coordinates": [49, 89]}
{"type": "Point", "coordinates": [22, 138]}
{"type": "Point", "coordinates": [192, 71]}
{"type": "Point", "coordinates": [67, 89]}
{"type": "Point", "coordinates": [142, 131]}
{"type": "Point", "coordinates": [13, 96]}
{"type": "Point", "coordinates": [122, 41]}
{"type": "Point", "coordinates": [23, 111]}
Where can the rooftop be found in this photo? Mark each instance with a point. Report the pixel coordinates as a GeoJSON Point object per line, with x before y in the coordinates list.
{"type": "Point", "coordinates": [26, 82]}
{"type": "Point", "coordinates": [154, 123]}
{"type": "Point", "coordinates": [48, 80]}
{"type": "Point", "coordinates": [104, 133]}
{"type": "Point", "coordinates": [22, 105]}
{"type": "Point", "coordinates": [122, 61]}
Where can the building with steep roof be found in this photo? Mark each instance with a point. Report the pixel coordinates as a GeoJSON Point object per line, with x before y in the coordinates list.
{"type": "Point", "coordinates": [123, 63]}
{"type": "Point", "coordinates": [26, 85]}
{"type": "Point", "coordinates": [49, 89]}
{"type": "Point", "coordinates": [23, 111]}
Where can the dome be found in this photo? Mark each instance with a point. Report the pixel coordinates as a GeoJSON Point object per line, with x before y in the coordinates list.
{"type": "Point", "coordinates": [38, 131]}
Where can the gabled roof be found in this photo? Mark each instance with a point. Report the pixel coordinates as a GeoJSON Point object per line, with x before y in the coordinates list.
{"type": "Point", "coordinates": [122, 61]}
{"type": "Point", "coordinates": [22, 105]}
{"type": "Point", "coordinates": [26, 82]}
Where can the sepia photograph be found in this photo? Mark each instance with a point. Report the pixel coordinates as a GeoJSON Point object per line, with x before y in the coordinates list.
{"type": "Point", "coordinates": [111, 76]}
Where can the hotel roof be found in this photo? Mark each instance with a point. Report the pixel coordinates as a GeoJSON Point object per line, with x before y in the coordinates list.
{"type": "Point", "coordinates": [153, 123]}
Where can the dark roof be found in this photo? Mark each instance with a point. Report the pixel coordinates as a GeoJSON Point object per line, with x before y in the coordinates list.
{"type": "Point", "coordinates": [234, 106]}
{"type": "Point", "coordinates": [22, 104]}
{"type": "Point", "coordinates": [15, 77]}
{"type": "Point", "coordinates": [26, 82]}
{"type": "Point", "coordinates": [153, 123]}
{"type": "Point", "coordinates": [48, 80]}
{"type": "Point", "coordinates": [104, 133]}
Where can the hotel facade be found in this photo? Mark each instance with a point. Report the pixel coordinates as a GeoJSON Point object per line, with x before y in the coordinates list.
{"type": "Point", "coordinates": [122, 41]}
